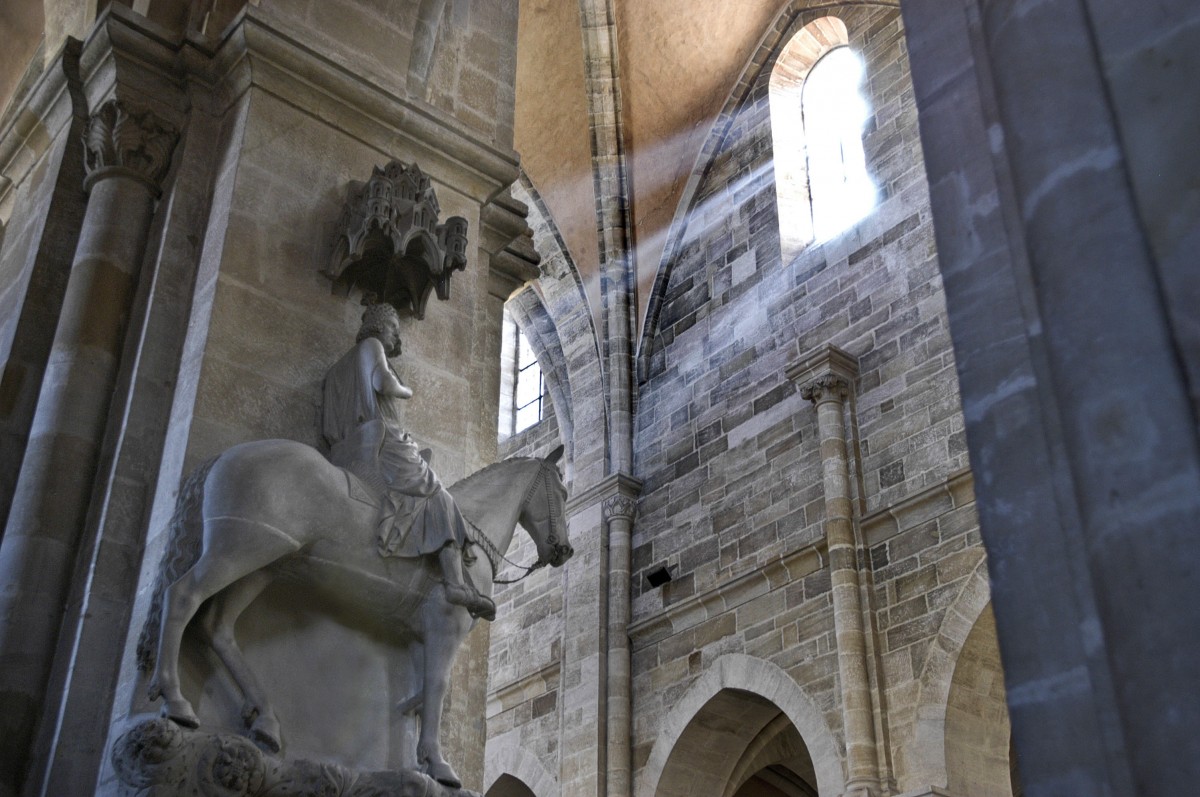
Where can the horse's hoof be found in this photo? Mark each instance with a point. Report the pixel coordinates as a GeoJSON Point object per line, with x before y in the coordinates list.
{"type": "Point", "coordinates": [180, 712]}
{"type": "Point", "coordinates": [444, 774]}
{"type": "Point", "coordinates": [268, 742]}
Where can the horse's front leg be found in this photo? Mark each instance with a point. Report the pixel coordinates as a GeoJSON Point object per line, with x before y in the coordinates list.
{"type": "Point", "coordinates": [445, 628]}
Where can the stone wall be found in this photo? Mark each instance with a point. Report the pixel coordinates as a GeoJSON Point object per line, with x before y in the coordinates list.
{"type": "Point", "coordinates": [733, 504]}
{"type": "Point", "coordinates": [223, 334]}
{"type": "Point", "coordinates": [524, 662]}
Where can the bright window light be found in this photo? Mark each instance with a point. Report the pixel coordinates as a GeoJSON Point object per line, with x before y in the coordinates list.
{"type": "Point", "coordinates": [834, 115]}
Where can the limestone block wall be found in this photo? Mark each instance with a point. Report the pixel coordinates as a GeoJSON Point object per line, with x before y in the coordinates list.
{"type": "Point", "coordinates": [458, 55]}
{"type": "Point", "coordinates": [728, 449]}
{"type": "Point", "coordinates": [733, 504]}
{"type": "Point", "coordinates": [524, 661]}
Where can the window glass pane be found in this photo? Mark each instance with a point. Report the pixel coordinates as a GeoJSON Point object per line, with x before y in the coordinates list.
{"type": "Point", "coordinates": [834, 115]}
{"type": "Point", "coordinates": [529, 385]}
{"type": "Point", "coordinates": [524, 351]}
{"type": "Point", "coordinates": [529, 415]}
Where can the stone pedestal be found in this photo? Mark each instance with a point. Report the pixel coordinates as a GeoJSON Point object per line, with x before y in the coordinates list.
{"type": "Point", "coordinates": [156, 758]}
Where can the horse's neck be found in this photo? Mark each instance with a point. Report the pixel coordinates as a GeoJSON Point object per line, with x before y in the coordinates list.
{"type": "Point", "coordinates": [494, 506]}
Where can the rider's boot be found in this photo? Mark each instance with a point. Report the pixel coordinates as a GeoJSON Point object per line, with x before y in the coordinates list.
{"type": "Point", "coordinates": [458, 591]}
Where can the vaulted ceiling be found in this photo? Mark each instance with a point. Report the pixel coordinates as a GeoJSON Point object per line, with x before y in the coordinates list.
{"type": "Point", "coordinates": [678, 62]}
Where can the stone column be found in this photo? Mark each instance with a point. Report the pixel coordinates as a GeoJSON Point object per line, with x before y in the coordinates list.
{"type": "Point", "coordinates": [825, 380]}
{"type": "Point", "coordinates": [617, 268]}
{"type": "Point", "coordinates": [596, 685]}
{"type": "Point", "coordinates": [127, 155]}
{"type": "Point", "coordinates": [618, 512]}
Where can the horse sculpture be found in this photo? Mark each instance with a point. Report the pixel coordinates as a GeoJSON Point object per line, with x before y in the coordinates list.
{"type": "Point", "coordinates": [279, 509]}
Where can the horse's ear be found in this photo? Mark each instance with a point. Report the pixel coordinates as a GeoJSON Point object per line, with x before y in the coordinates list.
{"type": "Point", "coordinates": [555, 455]}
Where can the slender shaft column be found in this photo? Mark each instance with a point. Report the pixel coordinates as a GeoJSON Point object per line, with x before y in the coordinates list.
{"type": "Point", "coordinates": [826, 382]}
{"type": "Point", "coordinates": [610, 179]}
{"type": "Point", "coordinates": [618, 515]}
{"type": "Point", "coordinates": [127, 153]}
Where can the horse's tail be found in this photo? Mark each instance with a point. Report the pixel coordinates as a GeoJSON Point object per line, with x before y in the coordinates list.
{"type": "Point", "coordinates": [183, 549]}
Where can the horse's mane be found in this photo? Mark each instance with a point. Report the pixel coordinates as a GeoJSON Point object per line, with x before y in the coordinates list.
{"type": "Point", "coordinates": [477, 494]}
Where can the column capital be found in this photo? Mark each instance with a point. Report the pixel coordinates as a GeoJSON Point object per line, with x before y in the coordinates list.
{"type": "Point", "coordinates": [619, 507]}
{"type": "Point", "coordinates": [121, 140]}
{"type": "Point", "coordinates": [826, 374]}
{"type": "Point", "coordinates": [827, 387]}
{"type": "Point", "coordinates": [613, 493]}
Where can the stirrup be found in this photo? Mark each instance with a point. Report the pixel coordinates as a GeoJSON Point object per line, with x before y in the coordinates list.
{"type": "Point", "coordinates": [477, 605]}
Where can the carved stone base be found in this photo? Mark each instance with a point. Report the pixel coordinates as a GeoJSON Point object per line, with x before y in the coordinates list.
{"type": "Point", "coordinates": [157, 758]}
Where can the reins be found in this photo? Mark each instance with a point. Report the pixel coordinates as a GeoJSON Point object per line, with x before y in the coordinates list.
{"type": "Point", "coordinates": [495, 557]}
{"type": "Point", "coordinates": [494, 554]}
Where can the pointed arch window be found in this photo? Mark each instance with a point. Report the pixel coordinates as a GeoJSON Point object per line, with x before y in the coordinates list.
{"type": "Point", "coordinates": [522, 386]}
{"type": "Point", "coordinates": [530, 386]}
{"type": "Point", "coordinates": [817, 118]}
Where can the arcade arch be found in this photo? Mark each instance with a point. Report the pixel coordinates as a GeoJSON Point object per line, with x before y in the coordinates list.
{"type": "Point", "coordinates": [743, 728]}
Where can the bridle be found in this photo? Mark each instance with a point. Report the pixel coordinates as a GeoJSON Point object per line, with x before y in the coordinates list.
{"type": "Point", "coordinates": [494, 554]}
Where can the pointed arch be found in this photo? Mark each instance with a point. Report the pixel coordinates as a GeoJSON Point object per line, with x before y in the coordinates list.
{"type": "Point", "coordinates": [926, 752]}
{"type": "Point", "coordinates": [560, 289]}
{"type": "Point", "coordinates": [766, 681]}
{"type": "Point", "coordinates": [531, 316]}
{"type": "Point", "coordinates": [753, 79]}
{"type": "Point", "coordinates": [506, 756]}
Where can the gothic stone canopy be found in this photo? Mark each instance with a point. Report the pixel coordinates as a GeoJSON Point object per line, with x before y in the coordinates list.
{"type": "Point", "coordinates": [388, 241]}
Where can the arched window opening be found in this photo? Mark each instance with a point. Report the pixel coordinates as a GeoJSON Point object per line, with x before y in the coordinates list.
{"type": "Point", "coordinates": [834, 114]}
{"type": "Point", "coordinates": [522, 387]}
{"type": "Point", "coordinates": [530, 386]}
{"type": "Point", "coordinates": [818, 114]}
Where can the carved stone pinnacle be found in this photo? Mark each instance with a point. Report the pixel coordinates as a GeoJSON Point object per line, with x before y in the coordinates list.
{"type": "Point", "coordinates": [121, 141]}
{"type": "Point", "coordinates": [826, 387]}
{"type": "Point", "coordinates": [389, 242]}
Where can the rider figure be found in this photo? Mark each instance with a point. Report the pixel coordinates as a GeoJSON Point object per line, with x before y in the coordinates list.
{"type": "Point", "coordinates": [361, 423]}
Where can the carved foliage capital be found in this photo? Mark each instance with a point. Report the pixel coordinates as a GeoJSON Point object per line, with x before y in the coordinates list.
{"type": "Point", "coordinates": [619, 506]}
{"type": "Point", "coordinates": [122, 141]}
{"type": "Point", "coordinates": [827, 387]}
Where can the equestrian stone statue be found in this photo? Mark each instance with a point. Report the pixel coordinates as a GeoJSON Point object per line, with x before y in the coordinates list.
{"type": "Point", "coordinates": [369, 528]}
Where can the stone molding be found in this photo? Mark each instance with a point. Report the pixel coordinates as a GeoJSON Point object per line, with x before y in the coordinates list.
{"type": "Point", "coordinates": [729, 595]}
{"type": "Point", "coordinates": [826, 374]}
{"type": "Point", "coordinates": [506, 237]}
{"type": "Point", "coordinates": [121, 141]}
{"type": "Point", "coordinates": [928, 791]}
{"type": "Point", "coordinates": [319, 86]}
{"type": "Point", "coordinates": [956, 491]}
{"type": "Point", "coordinates": [256, 52]}
{"type": "Point", "coordinates": [610, 486]}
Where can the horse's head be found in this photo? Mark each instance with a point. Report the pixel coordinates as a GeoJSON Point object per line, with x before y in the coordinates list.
{"type": "Point", "coordinates": [544, 515]}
